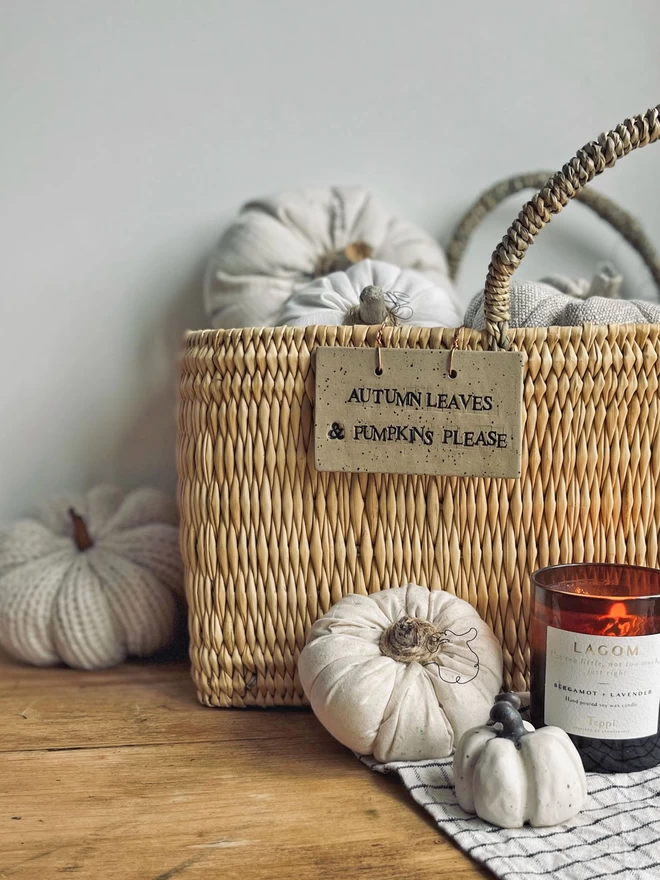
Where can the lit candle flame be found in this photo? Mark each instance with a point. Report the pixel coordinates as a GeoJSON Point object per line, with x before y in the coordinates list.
{"type": "Point", "coordinates": [618, 610]}
{"type": "Point", "coordinates": [618, 622]}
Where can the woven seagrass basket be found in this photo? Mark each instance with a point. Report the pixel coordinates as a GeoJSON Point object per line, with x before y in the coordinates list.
{"type": "Point", "coordinates": [270, 544]}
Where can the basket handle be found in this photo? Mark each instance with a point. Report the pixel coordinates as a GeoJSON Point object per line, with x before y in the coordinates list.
{"type": "Point", "coordinates": [629, 228]}
{"type": "Point", "coordinates": [564, 185]}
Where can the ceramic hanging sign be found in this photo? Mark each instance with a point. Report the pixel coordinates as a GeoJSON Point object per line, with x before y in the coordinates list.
{"type": "Point", "coordinates": [399, 411]}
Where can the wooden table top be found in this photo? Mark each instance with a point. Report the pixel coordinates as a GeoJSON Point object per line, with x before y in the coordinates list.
{"type": "Point", "coordinates": [122, 774]}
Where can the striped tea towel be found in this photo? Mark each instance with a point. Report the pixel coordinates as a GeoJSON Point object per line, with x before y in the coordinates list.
{"type": "Point", "coordinates": [617, 835]}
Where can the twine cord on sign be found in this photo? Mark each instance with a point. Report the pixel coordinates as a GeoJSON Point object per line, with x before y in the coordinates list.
{"type": "Point", "coordinates": [451, 372]}
{"type": "Point", "coordinates": [379, 356]}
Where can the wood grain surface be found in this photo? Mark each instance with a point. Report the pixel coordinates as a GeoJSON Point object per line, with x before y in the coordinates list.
{"type": "Point", "coordinates": [122, 774]}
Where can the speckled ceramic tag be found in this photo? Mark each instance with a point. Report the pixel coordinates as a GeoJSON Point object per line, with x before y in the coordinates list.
{"type": "Point", "coordinates": [414, 418]}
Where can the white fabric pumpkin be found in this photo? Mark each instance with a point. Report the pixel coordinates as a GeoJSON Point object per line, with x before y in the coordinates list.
{"type": "Point", "coordinates": [509, 774]}
{"type": "Point", "coordinates": [91, 579]}
{"type": "Point", "coordinates": [401, 674]}
{"type": "Point", "coordinates": [281, 243]}
{"type": "Point", "coordinates": [335, 299]}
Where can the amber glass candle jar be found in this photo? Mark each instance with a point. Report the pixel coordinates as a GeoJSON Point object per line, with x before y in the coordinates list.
{"type": "Point", "coordinates": [595, 637]}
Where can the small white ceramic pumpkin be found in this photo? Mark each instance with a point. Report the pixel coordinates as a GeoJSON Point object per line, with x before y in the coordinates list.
{"type": "Point", "coordinates": [91, 579]}
{"type": "Point", "coordinates": [408, 297]}
{"type": "Point", "coordinates": [277, 245]}
{"type": "Point", "coordinates": [509, 774]}
{"type": "Point", "coordinates": [401, 674]}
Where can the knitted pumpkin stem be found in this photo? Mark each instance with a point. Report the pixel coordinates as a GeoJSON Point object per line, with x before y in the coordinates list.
{"type": "Point", "coordinates": [411, 640]}
{"type": "Point", "coordinates": [80, 533]}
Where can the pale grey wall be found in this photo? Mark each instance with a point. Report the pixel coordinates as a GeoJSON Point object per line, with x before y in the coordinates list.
{"type": "Point", "coordinates": [132, 131]}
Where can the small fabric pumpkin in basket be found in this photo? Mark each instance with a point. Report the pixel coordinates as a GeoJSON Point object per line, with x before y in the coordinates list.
{"type": "Point", "coordinates": [90, 580]}
{"type": "Point", "coordinates": [401, 674]}
{"type": "Point", "coordinates": [372, 292]}
{"type": "Point", "coordinates": [278, 244]}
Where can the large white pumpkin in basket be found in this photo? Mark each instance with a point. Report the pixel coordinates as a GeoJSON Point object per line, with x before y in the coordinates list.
{"type": "Point", "coordinates": [279, 244]}
{"type": "Point", "coordinates": [91, 579]}
{"type": "Point", "coordinates": [408, 297]}
{"type": "Point", "coordinates": [401, 674]}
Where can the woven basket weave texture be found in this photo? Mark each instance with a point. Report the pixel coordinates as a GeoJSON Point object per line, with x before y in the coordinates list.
{"type": "Point", "coordinates": [270, 544]}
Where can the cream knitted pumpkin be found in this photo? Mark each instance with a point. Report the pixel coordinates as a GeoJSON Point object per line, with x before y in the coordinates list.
{"type": "Point", "coordinates": [408, 296]}
{"type": "Point", "coordinates": [91, 579]}
{"type": "Point", "coordinates": [401, 674]}
{"type": "Point", "coordinates": [279, 244]}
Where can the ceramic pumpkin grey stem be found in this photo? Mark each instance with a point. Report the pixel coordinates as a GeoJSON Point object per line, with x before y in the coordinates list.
{"type": "Point", "coordinates": [81, 535]}
{"type": "Point", "coordinates": [509, 697]}
{"type": "Point", "coordinates": [506, 714]}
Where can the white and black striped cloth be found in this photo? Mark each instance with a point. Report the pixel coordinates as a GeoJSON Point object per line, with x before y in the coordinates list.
{"type": "Point", "coordinates": [617, 835]}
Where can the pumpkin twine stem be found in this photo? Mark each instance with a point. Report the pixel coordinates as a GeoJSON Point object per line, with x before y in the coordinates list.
{"type": "Point", "coordinates": [411, 640]}
{"type": "Point", "coordinates": [80, 534]}
{"type": "Point", "coordinates": [372, 309]}
{"type": "Point", "coordinates": [340, 259]}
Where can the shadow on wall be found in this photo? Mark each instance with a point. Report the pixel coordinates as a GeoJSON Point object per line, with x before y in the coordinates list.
{"type": "Point", "coordinates": [145, 452]}
{"type": "Point", "coordinates": [106, 411]}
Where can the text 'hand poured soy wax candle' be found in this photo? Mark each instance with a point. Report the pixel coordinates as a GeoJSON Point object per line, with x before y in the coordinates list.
{"type": "Point", "coordinates": [596, 661]}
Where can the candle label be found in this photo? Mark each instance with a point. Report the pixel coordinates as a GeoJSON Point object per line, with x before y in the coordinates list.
{"type": "Point", "coordinates": [602, 686]}
{"type": "Point", "coordinates": [401, 412]}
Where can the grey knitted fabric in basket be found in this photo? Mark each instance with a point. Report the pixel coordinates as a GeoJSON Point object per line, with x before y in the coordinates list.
{"type": "Point", "coordinates": [535, 304]}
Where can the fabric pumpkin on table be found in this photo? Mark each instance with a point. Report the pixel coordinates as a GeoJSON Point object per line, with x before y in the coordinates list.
{"type": "Point", "coordinates": [409, 297]}
{"type": "Point", "coordinates": [91, 579]}
{"type": "Point", "coordinates": [401, 674]}
{"type": "Point", "coordinates": [278, 244]}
